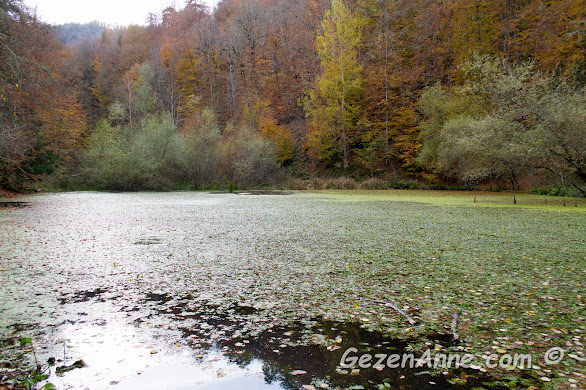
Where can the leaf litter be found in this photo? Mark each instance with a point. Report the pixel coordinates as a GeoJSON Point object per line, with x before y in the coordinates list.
{"type": "Point", "coordinates": [291, 262]}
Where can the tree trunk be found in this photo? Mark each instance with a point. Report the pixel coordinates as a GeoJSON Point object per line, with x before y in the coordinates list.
{"type": "Point", "coordinates": [344, 138]}
{"type": "Point", "coordinates": [130, 105]}
{"type": "Point", "coordinates": [211, 80]}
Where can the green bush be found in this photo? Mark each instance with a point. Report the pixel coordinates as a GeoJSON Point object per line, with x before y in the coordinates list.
{"type": "Point", "coordinates": [248, 159]}
{"type": "Point", "coordinates": [203, 152]}
{"type": "Point", "coordinates": [122, 160]}
{"type": "Point", "coordinates": [556, 191]}
{"type": "Point", "coordinates": [153, 155]}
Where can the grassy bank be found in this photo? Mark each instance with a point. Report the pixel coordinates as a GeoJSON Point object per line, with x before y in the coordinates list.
{"type": "Point", "coordinates": [464, 198]}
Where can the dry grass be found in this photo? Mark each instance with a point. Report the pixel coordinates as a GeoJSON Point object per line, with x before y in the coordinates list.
{"type": "Point", "coordinates": [374, 184]}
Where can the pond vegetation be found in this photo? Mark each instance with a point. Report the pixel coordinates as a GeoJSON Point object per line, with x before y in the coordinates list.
{"type": "Point", "coordinates": [233, 288]}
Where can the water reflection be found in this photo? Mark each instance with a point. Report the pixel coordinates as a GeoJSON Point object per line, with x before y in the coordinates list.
{"type": "Point", "coordinates": [214, 373]}
{"type": "Point", "coordinates": [125, 356]}
{"type": "Point", "coordinates": [174, 344]}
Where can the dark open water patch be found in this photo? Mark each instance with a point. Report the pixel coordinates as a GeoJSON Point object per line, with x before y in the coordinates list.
{"type": "Point", "coordinates": [196, 345]}
{"type": "Point", "coordinates": [14, 205]}
{"type": "Point", "coordinates": [148, 241]}
{"type": "Point", "coordinates": [265, 192]}
{"type": "Point", "coordinates": [306, 353]}
{"type": "Point", "coordinates": [83, 296]}
{"type": "Point", "coordinates": [256, 192]}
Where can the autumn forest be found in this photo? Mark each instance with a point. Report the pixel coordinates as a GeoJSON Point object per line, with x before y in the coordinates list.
{"type": "Point", "coordinates": [387, 93]}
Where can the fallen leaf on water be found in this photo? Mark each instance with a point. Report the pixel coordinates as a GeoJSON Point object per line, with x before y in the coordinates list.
{"type": "Point", "coordinates": [576, 357]}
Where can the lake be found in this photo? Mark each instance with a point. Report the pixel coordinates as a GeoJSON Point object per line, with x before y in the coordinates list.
{"type": "Point", "coordinates": [267, 291]}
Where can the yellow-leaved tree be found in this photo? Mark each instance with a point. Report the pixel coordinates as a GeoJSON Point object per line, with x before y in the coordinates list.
{"type": "Point", "coordinates": [335, 105]}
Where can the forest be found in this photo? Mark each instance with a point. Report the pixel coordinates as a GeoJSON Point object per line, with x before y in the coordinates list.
{"type": "Point", "coordinates": [150, 259]}
{"type": "Point", "coordinates": [386, 93]}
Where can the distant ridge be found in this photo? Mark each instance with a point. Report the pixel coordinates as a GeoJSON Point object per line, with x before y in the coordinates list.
{"type": "Point", "coordinates": [71, 33]}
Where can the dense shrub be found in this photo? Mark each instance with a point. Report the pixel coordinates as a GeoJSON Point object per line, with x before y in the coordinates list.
{"type": "Point", "coordinates": [154, 155]}
{"type": "Point", "coordinates": [248, 159]}
{"type": "Point", "coordinates": [297, 184]}
{"type": "Point", "coordinates": [556, 191]}
{"type": "Point", "coordinates": [203, 152]}
{"type": "Point", "coordinates": [341, 183]}
{"type": "Point", "coordinates": [121, 160]}
{"type": "Point", "coordinates": [402, 185]}
{"type": "Point", "coordinates": [502, 120]}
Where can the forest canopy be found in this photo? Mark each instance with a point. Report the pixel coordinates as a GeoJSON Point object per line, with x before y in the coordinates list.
{"type": "Point", "coordinates": [483, 92]}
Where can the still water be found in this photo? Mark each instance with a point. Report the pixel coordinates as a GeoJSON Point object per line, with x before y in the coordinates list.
{"type": "Point", "coordinates": [191, 291]}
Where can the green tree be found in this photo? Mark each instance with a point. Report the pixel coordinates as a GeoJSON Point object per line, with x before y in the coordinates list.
{"type": "Point", "coordinates": [558, 139]}
{"type": "Point", "coordinates": [502, 120]}
{"type": "Point", "coordinates": [140, 97]}
{"type": "Point", "coordinates": [478, 129]}
{"type": "Point", "coordinates": [147, 158]}
{"type": "Point", "coordinates": [144, 94]}
{"type": "Point", "coordinates": [203, 150]}
{"type": "Point", "coordinates": [248, 158]}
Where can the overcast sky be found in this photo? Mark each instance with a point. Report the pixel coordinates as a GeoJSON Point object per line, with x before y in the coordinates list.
{"type": "Point", "coordinates": [122, 12]}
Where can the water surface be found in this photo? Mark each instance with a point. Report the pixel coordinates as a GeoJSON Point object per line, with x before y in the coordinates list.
{"type": "Point", "coordinates": [217, 291]}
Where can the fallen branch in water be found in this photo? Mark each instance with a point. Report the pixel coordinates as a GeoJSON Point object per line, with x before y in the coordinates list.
{"type": "Point", "coordinates": [390, 304]}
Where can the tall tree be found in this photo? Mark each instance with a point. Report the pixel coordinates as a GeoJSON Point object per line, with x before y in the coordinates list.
{"type": "Point", "coordinates": [335, 104]}
{"type": "Point", "coordinates": [40, 120]}
{"type": "Point", "coordinates": [206, 33]}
